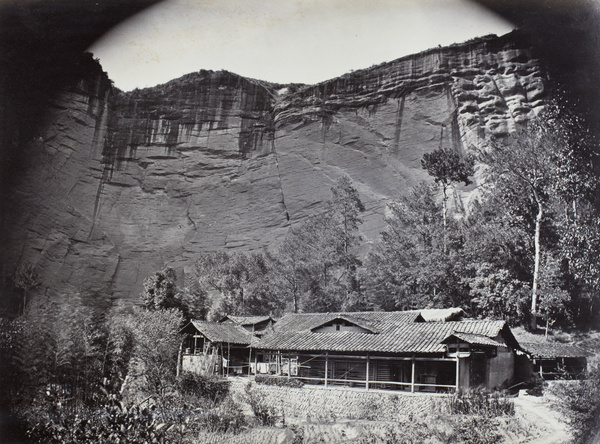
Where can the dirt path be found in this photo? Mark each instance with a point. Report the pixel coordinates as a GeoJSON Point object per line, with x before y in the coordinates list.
{"type": "Point", "coordinates": [546, 424]}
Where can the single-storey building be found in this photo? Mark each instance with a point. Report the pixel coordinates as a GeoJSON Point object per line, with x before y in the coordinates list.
{"type": "Point", "coordinates": [395, 350]}
{"type": "Point", "coordinates": [554, 360]}
{"type": "Point", "coordinates": [214, 348]}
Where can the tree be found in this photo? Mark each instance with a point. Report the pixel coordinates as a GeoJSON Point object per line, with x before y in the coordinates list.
{"type": "Point", "coordinates": [345, 206]}
{"type": "Point", "coordinates": [447, 167]}
{"type": "Point", "coordinates": [527, 160]}
{"type": "Point", "coordinates": [580, 246]}
{"type": "Point", "coordinates": [577, 160]}
{"type": "Point", "coordinates": [60, 355]}
{"type": "Point", "coordinates": [555, 298]}
{"type": "Point", "coordinates": [156, 341]}
{"type": "Point", "coordinates": [409, 268]}
{"type": "Point", "coordinates": [576, 187]}
{"type": "Point", "coordinates": [161, 292]}
{"type": "Point", "coordinates": [287, 265]}
{"type": "Point", "coordinates": [243, 282]}
{"type": "Point", "coordinates": [25, 278]}
{"type": "Point", "coordinates": [317, 265]}
{"type": "Point", "coordinates": [495, 293]}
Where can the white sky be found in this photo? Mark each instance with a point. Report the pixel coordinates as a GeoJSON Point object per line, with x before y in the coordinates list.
{"type": "Point", "coordinates": [284, 41]}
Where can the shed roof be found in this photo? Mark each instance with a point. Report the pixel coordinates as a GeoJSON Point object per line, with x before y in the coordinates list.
{"type": "Point", "coordinates": [220, 333]}
{"type": "Point", "coordinates": [398, 333]}
{"type": "Point", "coordinates": [551, 350]}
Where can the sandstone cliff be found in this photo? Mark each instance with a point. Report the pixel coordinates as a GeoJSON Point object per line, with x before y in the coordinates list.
{"type": "Point", "coordinates": [122, 183]}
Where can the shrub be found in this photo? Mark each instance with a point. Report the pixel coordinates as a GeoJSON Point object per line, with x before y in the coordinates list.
{"type": "Point", "coordinates": [266, 414]}
{"type": "Point", "coordinates": [115, 423]}
{"type": "Point", "coordinates": [209, 387]}
{"type": "Point", "coordinates": [278, 381]}
{"type": "Point", "coordinates": [475, 430]}
{"type": "Point", "coordinates": [130, 424]}
{"type": "Point", "coordinates": [227, 418]}
{"type": "Point", "coordinates": [478, 402]}
{"type": "Point", "coordinates": [537, 386]}
{"type": "Point", "coordinates": [580, 402]}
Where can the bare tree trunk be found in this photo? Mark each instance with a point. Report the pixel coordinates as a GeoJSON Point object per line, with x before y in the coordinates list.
{"type": "Point", "coordinates": [444, 214]}
{"type": "Point", "coordinates": [295, 298]}
{"type": "Point", "coordinates": [536, 267]}
{"type": "Point", "coordinates": [24, 301]}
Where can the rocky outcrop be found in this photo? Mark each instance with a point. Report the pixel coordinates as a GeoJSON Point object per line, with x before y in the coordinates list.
{"type": "Point", "coordinates": [122, 183]}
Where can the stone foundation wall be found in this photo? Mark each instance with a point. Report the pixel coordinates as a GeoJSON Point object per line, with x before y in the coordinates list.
{"type": "Point", "coordinates": [323, 404]}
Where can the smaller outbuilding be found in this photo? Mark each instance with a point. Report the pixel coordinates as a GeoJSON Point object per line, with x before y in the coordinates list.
{"type": "Point", "coordinates": [214, 348]}
{"type": "Point", "coordinates": [554, 360]}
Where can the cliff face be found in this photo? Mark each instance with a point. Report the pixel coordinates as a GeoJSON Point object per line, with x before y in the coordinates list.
{"type": "Point", "coordinates": [49, 213]}
{"type": "Point", "coordinates": [123, 183]}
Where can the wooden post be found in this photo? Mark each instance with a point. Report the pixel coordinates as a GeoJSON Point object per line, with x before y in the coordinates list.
{"type": "Point", "coordinates": [278, 362]}
{"type": "Point", "coordinates": [228, 357]}
{"type": "Point", "coordinates": [457, 371]}
{"type": "Point", "coordinates": [326, 366]}
{"type": "Point", "coordinates": [250, 352]}
{"type": "Point", "coordinates": [179, 359]}
{"type": "Point", "coordinates": [367, 380]}
{"type": "Point", "coordinates": [221, 355]}
{"type": "Point", "coordinates": [412, 376]}
{"type": "Point", "coordinates": [249, 361]}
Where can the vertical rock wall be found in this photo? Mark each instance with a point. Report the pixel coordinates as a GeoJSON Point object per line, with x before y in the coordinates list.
{"type": "Point", "coordinates": [50, 210]}
{"type": "Point", "coordinates": [122, 183]}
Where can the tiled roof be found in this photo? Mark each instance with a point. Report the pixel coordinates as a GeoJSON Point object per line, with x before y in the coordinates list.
{"type": "Point", "coordinates": [398, 335]}
{"type": "Point", "coordinates": [471, 338]}
{"type": "Point", "coordinates": [247, 320]}
{"type": "Point", "coordinates": [375, 319]}
{"type": "Point", "coordinates": [552, 350]}
{"type": "Point", "coordinates": [351, 319]}
{"type": "Point", "coordinates": [225, 333]}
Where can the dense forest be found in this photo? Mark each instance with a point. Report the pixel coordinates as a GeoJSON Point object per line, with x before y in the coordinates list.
{"type": "Point", "coordinates": [525, 251]}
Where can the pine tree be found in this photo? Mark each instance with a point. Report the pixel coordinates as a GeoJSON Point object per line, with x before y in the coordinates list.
{"type": "Point", "coordinates": [447, 168]}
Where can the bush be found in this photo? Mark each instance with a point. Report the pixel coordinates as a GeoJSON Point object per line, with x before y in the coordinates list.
{"type": "Point", "coordinates": [115, 423]}
{"type": "Point", "coordinates": [279, 381]}
{"type": "Point", "coordinates": [580, 402]}
{"type": "Point", "coordinates": [537, 386]}
{"type": "Point", "coordinates": [443, 429]}
{"type": "Point", "coordinates": [209, 387]}
{"type": "Point", "coordinates": [130, 424]}
{"type": "Point", "coordinates": [478, 402]}
{"type": "Point", "coordinates": [475, 431]}
{"type": "Point", "coordinates": [228, 418]}
{"type": "Point", "coordinates": [266, 414]}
